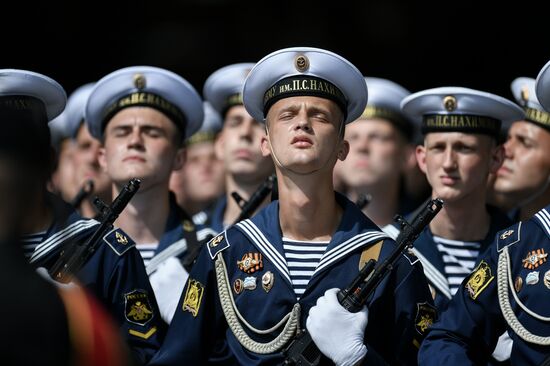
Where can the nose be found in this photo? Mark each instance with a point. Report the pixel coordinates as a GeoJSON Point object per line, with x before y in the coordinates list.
{"type": "Point", "coordinates": [246, 129]}
{"type": "Point", "coordinates": [135, 139]}
{"type": "Point", "coordinates": [302, 121]}
{"type": "Point", "coordinates": [509, 149]}
{"type": "Point", "coordinates": [449, 162]}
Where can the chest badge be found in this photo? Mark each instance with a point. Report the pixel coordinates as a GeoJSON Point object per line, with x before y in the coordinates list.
{"type": "Point", "coordinates": [547, 279]}
{"type": "Point", "coordinates": [267, 281]}
{"type": "Point", "coordinates": [249, 283]}
{"type": "Point", "coordinates": [251, 262]}
{"type": "Point", "coordinates": [534, 259]}
{"type": "Point", "coordinates": [532, 278]}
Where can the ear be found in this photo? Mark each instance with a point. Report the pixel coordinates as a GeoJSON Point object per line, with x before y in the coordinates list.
{"type": "Point", "coordinates": [219, 145]}
{"type": "Point", "coordinates": [421, 158]}
{"type": "Point", "coordinates": [265, 146]}
{"type": "Point", "coordinates": [179, 159]}
{"type": "Point", "coordinates": [497, 158]}
{"type": "Point", "coordinates": [344, 150]}
{"type": "Point", "coordinates": [102, 159]}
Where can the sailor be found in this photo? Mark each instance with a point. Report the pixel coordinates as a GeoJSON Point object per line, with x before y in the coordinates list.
{"type": "Point", "coordinates": [257, 282]}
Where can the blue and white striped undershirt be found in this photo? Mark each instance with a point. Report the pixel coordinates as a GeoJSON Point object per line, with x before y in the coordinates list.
{"type": "Point", "coordinates": [147, 251]}
{"type": "Point", "coordinates": [31, 241]}
{"type": "Point", "coordinates": [459, 258]}
{"type": "Point", "coordinates": [302, 258]}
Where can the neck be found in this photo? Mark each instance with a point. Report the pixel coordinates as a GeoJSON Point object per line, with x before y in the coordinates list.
{"type": "Point", "coordinates": [192, 207]}
{"type": "Point", "coordinates": [466, 219]}
{"type": "Point", "coordinates": [245, 190]}
{"type": "Point", "coordinates": [307, 206]}
{"type": "Point", "coordinates": [534, 205]}
{"type": "Point", "coordinates": [384, 201]}
{"type": "Point", "coordinates": [144, 219]}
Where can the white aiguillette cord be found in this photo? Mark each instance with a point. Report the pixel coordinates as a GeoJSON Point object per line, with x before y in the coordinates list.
{"type": "Point", "coordinates": [232, 316]}
{"type": "Point", "coordinates": [504, 279]}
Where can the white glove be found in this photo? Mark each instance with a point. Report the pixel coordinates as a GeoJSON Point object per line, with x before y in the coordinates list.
{"type": "Point", "coordinates": [336, 332]}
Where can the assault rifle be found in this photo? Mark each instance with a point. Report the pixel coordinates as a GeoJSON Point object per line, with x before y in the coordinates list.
{"type": "Point", "coordinates": [75, 256]}
{"type": "Point", "coordinates": [302, 350]}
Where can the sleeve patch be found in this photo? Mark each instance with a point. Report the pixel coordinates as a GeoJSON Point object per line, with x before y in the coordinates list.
{"type": "Point", "coordinates": [137, 308]}
{"type": "Point", "coordinates": [479, 280]}
{"type": "Point", "coordinates": [193, 297]}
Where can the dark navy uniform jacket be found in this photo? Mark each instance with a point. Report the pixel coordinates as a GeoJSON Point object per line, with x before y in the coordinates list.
{"type": "Point", "coordinates": [199, 333]}
{"type": "Point", "coordinates": [178, 249]}
{"type": "Point", "coordinates": [181, 236]}
{"type": "Point", "coordinates": [114, 274]}
{"type": "Point", "coordinates": [468, 331]}
{"type": "Point", "coordinates": [431, 258]}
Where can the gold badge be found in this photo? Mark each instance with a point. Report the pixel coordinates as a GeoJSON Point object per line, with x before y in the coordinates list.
{"type": "Point", "coordinates": [301, 63]}
{"type": "Point", "coordinates": [449, 102]}
{"type": "Point", "coordinates": [193, 297]}
{"type": "Point", "coordinates": [506, 234]}
{"type": "Point", "coordinates": [251, 262]}
{"type": "Point", "coordinates": [479, 280]}
{"type": "Point", "coordinates": [139, 81]}
{"type": "Point", "coordinates": [518, 284]}
{"type": "Point", "coordinates": [238, 286]}
{"type": "Point", "coordinates": [217, 240]}
{"type": "Point", "coordinates": [267, 281]}
{"type": "Point", "coordinates": [534, 259]}
{"type": "Point", "coordinates": [188, 226]}
{"type": "Point", "coordinates": [426, 315]}
{"type": "Point", "coordinates": [137, 308]}
{"type": "Point", "coordinates": [121, 238]}
{"type": "Point", "coordinates": [547, 279]}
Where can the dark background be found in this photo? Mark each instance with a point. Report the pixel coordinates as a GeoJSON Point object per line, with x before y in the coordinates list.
{"type": "Point", "coordinates": [477, 44]}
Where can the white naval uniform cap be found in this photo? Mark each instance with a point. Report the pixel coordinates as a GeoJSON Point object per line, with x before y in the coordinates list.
{"type": "Point", "coordinates": [24, 83]}
{"type": "Point", "coordinates": [385, 98]}
{"type": "Point", "coordinates": [542, 87]}
{"type": "Point", "coordinates": [523, 89]}
{"type": "Point", "coordinates": [224, 87]}
{"type": "Point", "coordinates": [74, 112]}
{"type": "Point", "coordinates": [305, 71]}
{"type": "Point", "coordinates": [211, 126]}
{"type": "Point", "coordinates": [145, 86]}
{"type": "Point", "coordinates": [456, 109]}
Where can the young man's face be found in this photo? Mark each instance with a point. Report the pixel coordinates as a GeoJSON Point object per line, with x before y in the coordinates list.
{"type": "Point", "coordinates": [238, 146]}
{"type": "Point", "coordinates": [526, 168]}
{"type": "Point", "coordinates": [141, 142]}
{"type": "Point", "coordinates": [457, 164]}
{"type": "Point", "coordinates": [305, 134]}
{"type": "Point", "coordinates": [86, 163]}
{"type": "Point", "coordinates": [202, 177]}
{"type": "Point", "coordinates": [376, 155]}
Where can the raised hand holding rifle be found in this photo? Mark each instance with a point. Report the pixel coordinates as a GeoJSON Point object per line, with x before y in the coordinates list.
{"type": "Point", "coordinates": [350, 304]}
{"type": "Point", "coordinates": [75, 256]}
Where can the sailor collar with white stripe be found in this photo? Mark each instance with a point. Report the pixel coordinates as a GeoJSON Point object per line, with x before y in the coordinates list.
{"type": "Point", "coordinates": [355, 231]}
{"type": "Point", "coordinates": [543, 219]}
